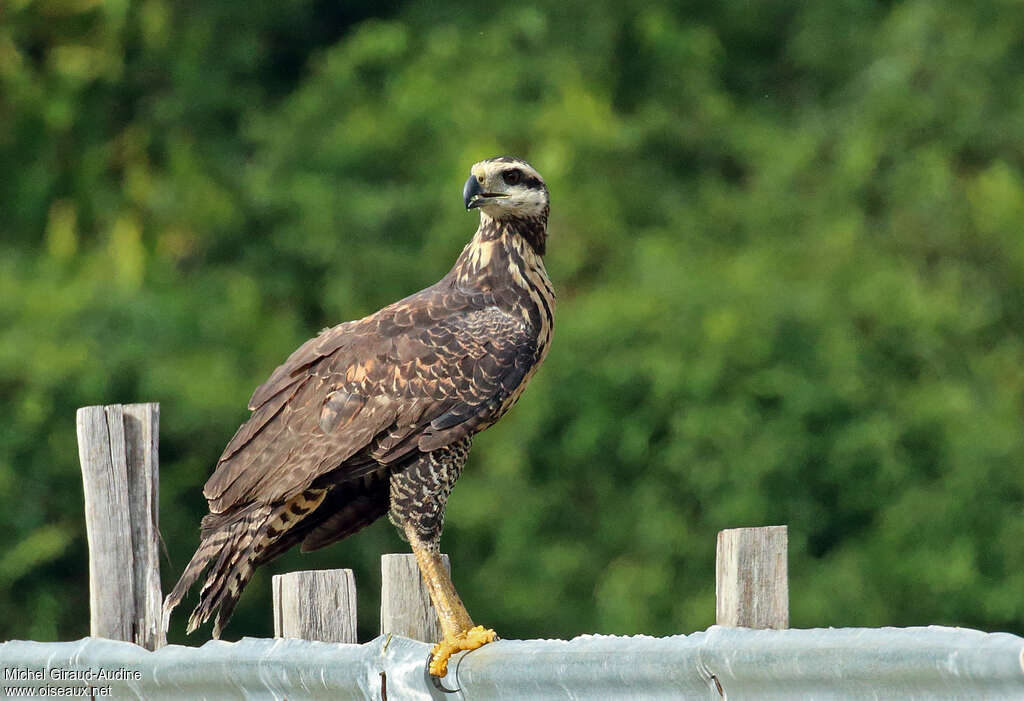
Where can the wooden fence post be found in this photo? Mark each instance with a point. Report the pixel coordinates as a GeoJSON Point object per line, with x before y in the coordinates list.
{"type": "Point", "coordinates": [315, 605]}
{"type": "Point", "coordinates": [118, 447]}
{"type": "Point", "coordinates": [405, 606]}
{"type": "Point", "coordinates": [751, 578]}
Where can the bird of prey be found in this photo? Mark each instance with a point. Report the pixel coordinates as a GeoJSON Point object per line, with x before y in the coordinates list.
{"type": "Point", "coordinates": [376, 416]}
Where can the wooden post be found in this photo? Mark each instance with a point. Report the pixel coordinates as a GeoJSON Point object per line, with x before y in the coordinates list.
{"type": "Point", "coordinates": [118, 448]}
{"type": "Point", "coordinates": [751, 578]}
{"type": "Point", "coordinates": [405, 606]}
{"type": "Point", "coordinates": [315, 605]}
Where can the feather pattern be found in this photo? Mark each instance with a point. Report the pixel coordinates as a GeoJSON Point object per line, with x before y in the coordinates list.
{"type": "Point", "coordinates": [367, 399]}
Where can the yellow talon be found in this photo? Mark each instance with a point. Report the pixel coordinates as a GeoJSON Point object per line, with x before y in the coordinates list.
{"type": "Point", "coordinates": [466, 640]}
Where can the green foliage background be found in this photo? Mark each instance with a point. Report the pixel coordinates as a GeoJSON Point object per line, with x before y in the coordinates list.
{"type": "Point", "coordinates": [786, 238]}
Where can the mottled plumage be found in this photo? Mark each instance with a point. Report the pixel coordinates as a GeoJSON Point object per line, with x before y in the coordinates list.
{"type": "Point", "coordinates": [377, 415]}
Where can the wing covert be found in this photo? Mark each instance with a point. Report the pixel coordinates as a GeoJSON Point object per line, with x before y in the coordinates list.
{"type": "Point", "coordinates": [420, 374]}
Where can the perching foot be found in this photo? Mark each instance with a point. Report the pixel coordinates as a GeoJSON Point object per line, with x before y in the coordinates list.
{"type": "Point", "coordinates": [466, 640]}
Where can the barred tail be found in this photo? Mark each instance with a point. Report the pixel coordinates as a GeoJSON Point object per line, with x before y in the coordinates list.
{"type": "Point", "coordinates": [230, 549]}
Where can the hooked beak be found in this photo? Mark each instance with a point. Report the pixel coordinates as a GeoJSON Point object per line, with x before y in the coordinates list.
{"type": "Point", "coordinates": [474, 196]}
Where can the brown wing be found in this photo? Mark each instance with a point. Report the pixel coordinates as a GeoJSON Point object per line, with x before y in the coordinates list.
{"type": "Point", "coordinates": [419, 374]}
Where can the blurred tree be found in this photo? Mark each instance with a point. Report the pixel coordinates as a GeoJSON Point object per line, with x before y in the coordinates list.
{"type": "Point", "coordinates": [785, 236]}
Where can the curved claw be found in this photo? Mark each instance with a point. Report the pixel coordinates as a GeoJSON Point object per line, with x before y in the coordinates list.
{"type": "Point", "coordinates": [471, 639]}
{"type": "Point", "coordinates": [435, 680]}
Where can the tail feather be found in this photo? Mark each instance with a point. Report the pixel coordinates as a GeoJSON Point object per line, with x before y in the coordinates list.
{"type": "Point", "coordinates": [195, 567]}
{"type": "Point", "coordinates": [224, 585]}
{"type": "Point", "coordinates": [235, 545]}
{"type": "Point", "coordinates": [230, 547]}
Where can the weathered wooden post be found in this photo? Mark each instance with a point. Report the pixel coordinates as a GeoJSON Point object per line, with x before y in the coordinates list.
{"type": "Point", "coordinates": [315, 605]}
{"type": "Point", "coordinates": [118, 447]}
{"type": "Point", "coordinates": [405, 607]}
{"type": "Point", "coordinates": [751, 578]}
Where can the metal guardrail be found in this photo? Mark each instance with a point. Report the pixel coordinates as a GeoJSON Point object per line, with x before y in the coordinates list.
{"type": "Point", "coordinates": [720, 663]}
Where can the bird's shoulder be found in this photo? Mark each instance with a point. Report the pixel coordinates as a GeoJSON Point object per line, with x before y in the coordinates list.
{"type": "Point", "coordinates": [430, 335]}
{"type": "Point", "coordinates": [422, 372]}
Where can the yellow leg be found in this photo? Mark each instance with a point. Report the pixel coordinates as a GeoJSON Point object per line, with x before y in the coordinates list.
{"type": "Point", "coordinates": [456, 625]}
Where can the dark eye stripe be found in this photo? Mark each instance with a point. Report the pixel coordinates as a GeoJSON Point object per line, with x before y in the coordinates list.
{"type": "Point", "coordinates": [515, 176]}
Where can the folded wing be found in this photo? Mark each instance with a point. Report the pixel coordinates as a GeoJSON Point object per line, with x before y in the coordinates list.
{"type": "Point", "coordinates": [418, 375]}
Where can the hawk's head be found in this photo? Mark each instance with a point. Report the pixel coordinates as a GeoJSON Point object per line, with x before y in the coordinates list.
{"type": "Point", "coordinates": [506, 188]}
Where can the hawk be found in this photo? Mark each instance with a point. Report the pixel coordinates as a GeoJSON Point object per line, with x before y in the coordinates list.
{"type": "Point", "coordinates": [376, 416]}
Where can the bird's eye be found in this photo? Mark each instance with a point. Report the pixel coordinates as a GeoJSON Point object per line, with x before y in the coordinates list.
{"type": "Point", "coordinates": [512, 177]}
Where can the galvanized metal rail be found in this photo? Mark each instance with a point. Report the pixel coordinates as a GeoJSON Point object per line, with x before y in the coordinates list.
{"type": "Point", "coordinates": [720, 663]}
